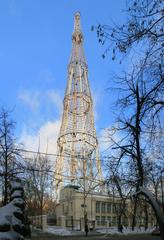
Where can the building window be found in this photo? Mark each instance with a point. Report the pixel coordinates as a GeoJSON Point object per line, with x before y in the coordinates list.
{"type": "Point", "coordinates": [103, 207]}
{"type": "Point", "coordinates": [119, 207]}
{"type": "Point", "coordinates": [114, 221]}
{"type": "Point", "coordinates": [98, 220]}
{"type": "Point", "coordinates": [63, 208]}
{"type": "Point", "coordinates": [109, 221]}
{"type": "Point", "coordinates": [125, 221]}
{"type": "Point", "coordinates": [109, 208]}
{"type": "Point", "coordinates": [103, 220]}
{"type": "Point", "coordinates": [114, 208]}
{"type": "Point", "coordinates": [97, 207]}
{"type": "Point", "coordinates": [126, 207]}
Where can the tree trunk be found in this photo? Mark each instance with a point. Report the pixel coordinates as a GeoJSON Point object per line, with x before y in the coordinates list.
{"type": "Point", "coordinates": [6, 183]}
{"type": "Point", "coordinates": [156, 207]}
{"type": "Point", "coordinates": [146, 216]}
{"type": "Point", "coordinates": [162, 193]}
{"type": "Point", "coordinates": [119, 221]}
{"type": "Point", "coordinates": [134, 214]}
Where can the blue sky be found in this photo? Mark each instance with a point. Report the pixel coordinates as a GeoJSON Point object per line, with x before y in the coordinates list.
{"type": "Point", "coordinates": [35, 46]}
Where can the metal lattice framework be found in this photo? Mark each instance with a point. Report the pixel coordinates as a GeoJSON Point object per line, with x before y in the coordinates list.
{"type": "Point", "coordinates": [77, 142]}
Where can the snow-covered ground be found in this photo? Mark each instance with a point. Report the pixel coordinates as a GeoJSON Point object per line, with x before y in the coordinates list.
{"type": "Point", "coordinates": [10, 235]}
{"type": "Point", "coordinates": [66, 232]}
{"type": "Point", "coordinates": [126, 231]}
{"type": "Point", "coordinates": [58, 231]}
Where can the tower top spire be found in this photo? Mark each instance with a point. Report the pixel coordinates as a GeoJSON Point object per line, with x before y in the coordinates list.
{"type": "Point", "coordinates": [77, 36]}
{"type": "Point", "coordinates": [77, 27]}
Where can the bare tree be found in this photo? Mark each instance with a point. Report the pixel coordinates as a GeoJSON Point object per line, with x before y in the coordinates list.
{"type": "Point", "coordinates": [141, 92]}
{"type": "Point", "coordinates": [144, 27]}
{"type": "Point", "coordinates": [88, 184]}
{"type": "Point", "coordinates": [39, 178]}
{"type": "Point", "coordinates": [8, 153]}
{"type": "Point", "coordinates": [141, 107]}
{"type": "Point", "coordinates": [119, 187]}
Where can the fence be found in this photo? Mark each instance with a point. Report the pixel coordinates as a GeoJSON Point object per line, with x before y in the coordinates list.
{"type": "Point", "coordinates": [39, 221]}
{"type": "Point", "coordinates": [73, 224]}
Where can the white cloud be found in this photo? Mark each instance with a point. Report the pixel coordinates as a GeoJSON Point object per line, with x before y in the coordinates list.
{"type": "Point", "coordinates": [34, 99]}
{"type": "Point", "coordinates": [48, 132]}
{"type": "Point", "coordinates": [55, 98]}
{"type": "Point", "coordinates": [105, 139]}
{"type": "Point", "coordinates": [46, 135]}
{"type": "Point", "coordinates": [95, 97]}
{"type": "Point", "coordinates": [30, 98]}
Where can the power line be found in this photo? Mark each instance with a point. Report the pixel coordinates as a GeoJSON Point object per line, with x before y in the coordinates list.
{"type": "Point", "coordinates": [66, 177]}
{"type": "Point", "coordinates": [55, 155]}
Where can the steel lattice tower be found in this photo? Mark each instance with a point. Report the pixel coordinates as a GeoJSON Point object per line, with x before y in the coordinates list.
{"type": "Point", "coordinates": [77, 144]}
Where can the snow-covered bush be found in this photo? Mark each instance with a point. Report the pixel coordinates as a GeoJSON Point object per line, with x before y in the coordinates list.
{"type": "Point", "coordinates": [12, 215]}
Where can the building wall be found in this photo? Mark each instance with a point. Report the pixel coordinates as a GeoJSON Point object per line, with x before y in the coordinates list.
{"type": "Point", "coordinates": [101, 210]}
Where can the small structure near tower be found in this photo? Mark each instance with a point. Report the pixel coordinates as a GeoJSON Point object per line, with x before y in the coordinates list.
{"type": "Point", "coordinates": [78, 156]}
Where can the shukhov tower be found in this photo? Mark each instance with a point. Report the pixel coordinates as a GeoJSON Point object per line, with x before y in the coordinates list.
{"type": "Point", "coordinates": [78, 155]}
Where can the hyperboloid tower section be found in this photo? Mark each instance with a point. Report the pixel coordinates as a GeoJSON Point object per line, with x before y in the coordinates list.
{"type": "Point", "coordinates": [78, 156]}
